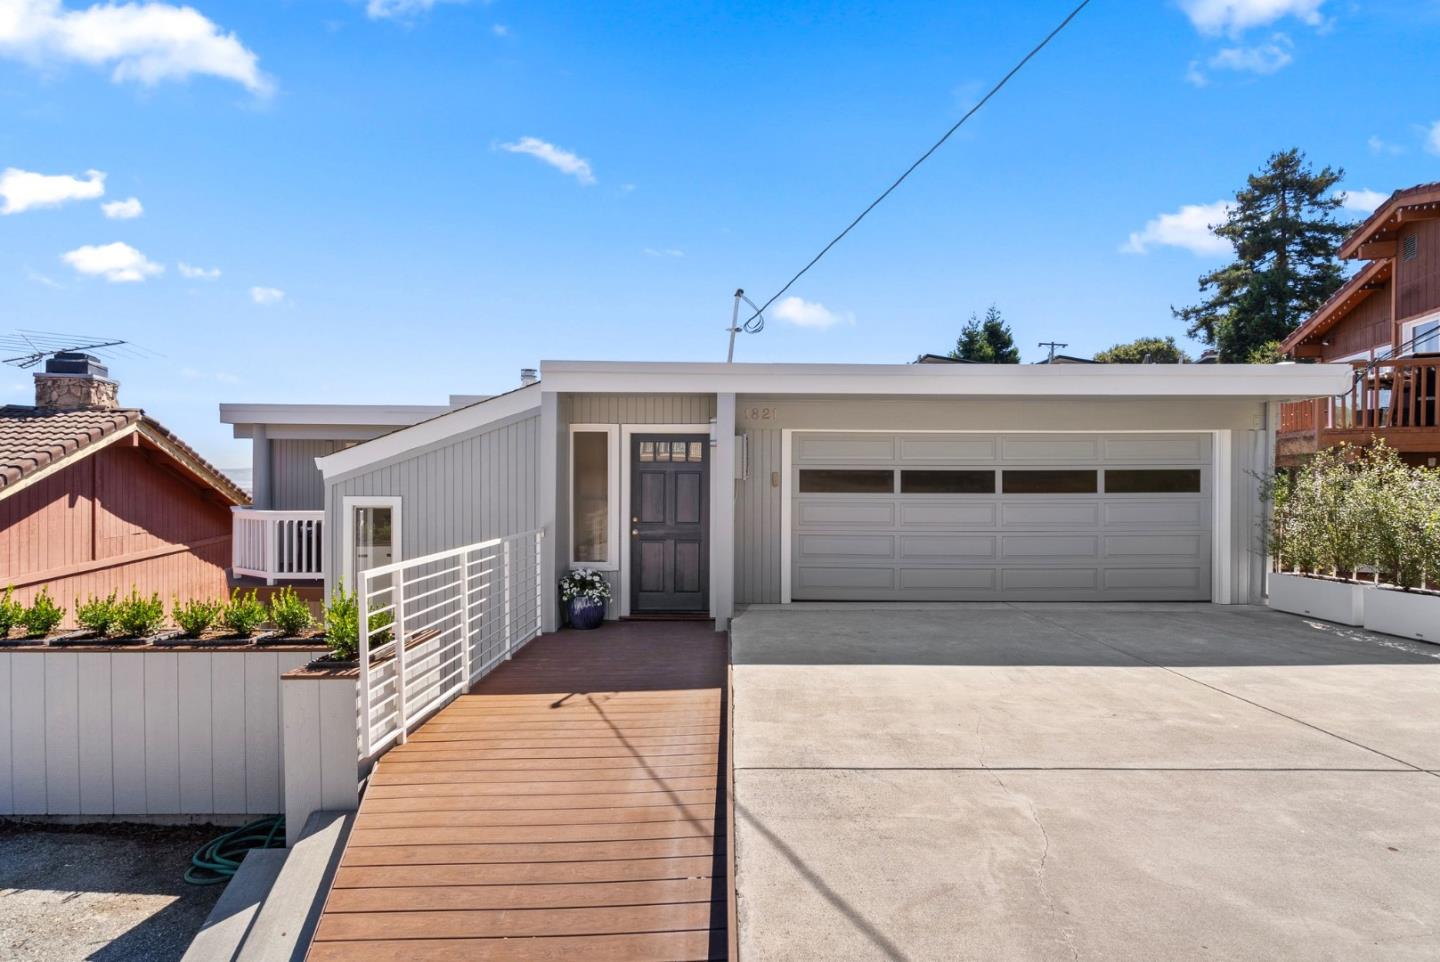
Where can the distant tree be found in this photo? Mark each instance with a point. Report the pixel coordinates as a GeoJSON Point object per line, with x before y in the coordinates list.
{"type": "Point", "coordinates": [1267, 353]}
{"type": "Point", "coordinates": [986, 340]}
{"type": "Point", "coordinates": [1144, 350]}
{"type": "Point", "coordinates": [1285, 235]}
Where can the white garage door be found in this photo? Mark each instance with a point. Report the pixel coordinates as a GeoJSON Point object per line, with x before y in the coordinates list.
{"type": "Point", "coordinates": [977, 517]}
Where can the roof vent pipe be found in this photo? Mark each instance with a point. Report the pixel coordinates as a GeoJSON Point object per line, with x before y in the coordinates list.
{"type": "Point", "coordinates": [528, 376]}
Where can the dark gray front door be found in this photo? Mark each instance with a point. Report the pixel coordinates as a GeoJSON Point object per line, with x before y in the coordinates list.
{"type": "Point", "coordinates": [669, 523]}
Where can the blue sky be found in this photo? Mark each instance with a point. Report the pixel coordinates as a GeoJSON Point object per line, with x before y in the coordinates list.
{"type": "Point", "coordinates": [396, 200]}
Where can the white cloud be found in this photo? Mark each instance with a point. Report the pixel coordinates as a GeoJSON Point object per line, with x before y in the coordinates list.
{"type": "Point", "coordinates": [500, 30]}
{"type": "Point", "coordinates": [399, 9]}
{"type": "Point", "coordinates": [266, 295]}
{"type": "Point", "coordinates": [1195, 76]}
{"type": "Point", "coordinates": [44, 280]}
{"type": "Point", "coordinates": [1188, 227]}
{"type": "Point", "coordinates": [123, 209]}
{"type": "Point", "coordinates": [1236, 16]}
{"type": "Point", "coordinates": [1263, 58]}
{"type": "Point", "coordinates": [223, 377]}
{"type": "Point", "coordinates": [565, 161]}
{"type": "Point", "coordinates": [1361, 202]}
{"type": "Point", "coordinates": [118, 263]}
{"type": "Point", "coordinates": [664, 252]}
{"type": "Point", "coordinates": [1432, 139]}
{"type": "Point", "coordinates": [24, 189]}
{"type": "Point", "coordinates": [803, 313]}
{"type": "Point", "coordinates": [197, 273]}
{"type": "Point", "coordinates": [1379, 146]}
{"type": "Point", "coordinates": [146, 43]}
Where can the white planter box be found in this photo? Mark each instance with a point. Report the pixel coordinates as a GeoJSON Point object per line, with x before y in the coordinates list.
{"type": "Point", "coordinates": [1408, 614]}
{"type": "Point", "coordinates": [1342, 602]}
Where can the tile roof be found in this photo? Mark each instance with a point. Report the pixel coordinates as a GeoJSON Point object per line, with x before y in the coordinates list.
{"type": "Point", "coordinates": [1374, 223]}
{"type": "Point", "coordinates": [31, 440]}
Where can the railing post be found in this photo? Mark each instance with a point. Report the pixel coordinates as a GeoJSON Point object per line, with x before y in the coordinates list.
{"type": "Point", "coordinates": [465, 615]}
{"type": "Point", "coordinates": [539, 581]}
{"type": "Point", "coordinates": [272, 549]}
{"type": "Point", "coordinates": [509, 633]}
{"type": "Point", "coordinates": [362, 592]}
{"type": "Point", "coordinates": [397, 635]}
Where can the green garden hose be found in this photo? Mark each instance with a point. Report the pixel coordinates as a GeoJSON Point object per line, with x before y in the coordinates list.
{"type": "Point", "coordinates": [218, 859]}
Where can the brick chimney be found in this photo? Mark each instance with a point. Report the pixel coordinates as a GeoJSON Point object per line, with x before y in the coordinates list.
{"type": "Point", "coordinates": [73, 381]}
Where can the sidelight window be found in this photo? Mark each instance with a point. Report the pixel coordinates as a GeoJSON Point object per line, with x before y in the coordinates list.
{"type": "Point", "coordinates": [594, 495]}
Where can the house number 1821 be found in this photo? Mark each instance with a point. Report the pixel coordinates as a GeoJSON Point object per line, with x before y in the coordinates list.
{"type": "Point", "coordinates": [760, 414]}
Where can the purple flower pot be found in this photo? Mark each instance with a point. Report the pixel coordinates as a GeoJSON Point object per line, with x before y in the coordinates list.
{"type": "Point", "coordinates": [586, 614]}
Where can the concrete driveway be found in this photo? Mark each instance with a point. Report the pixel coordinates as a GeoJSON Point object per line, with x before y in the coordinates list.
{"type": "Point", "coordinates": [1116, 782]}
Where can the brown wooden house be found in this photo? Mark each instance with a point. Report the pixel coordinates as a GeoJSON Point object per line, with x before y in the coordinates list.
{"type": "Point", "coordinates": [97, 498]}
{"type": "Point", "coordinates": [1385, 321]}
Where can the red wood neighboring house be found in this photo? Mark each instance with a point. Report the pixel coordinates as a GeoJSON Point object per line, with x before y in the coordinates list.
{"type": "Point", "coordinates": [1385, 321]}
{"type": "Point", "coordinates": [97, 498]}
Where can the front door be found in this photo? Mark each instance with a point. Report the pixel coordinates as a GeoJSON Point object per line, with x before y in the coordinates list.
{"type": "Point", "coordinates": [669, 523]}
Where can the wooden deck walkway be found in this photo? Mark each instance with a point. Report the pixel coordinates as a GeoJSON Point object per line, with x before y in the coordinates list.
{"type": "Point", "coordinates": [570, 807]}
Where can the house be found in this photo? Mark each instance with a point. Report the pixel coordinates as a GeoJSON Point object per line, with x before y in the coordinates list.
{"type": "Point", "coordinates": [698, 487]}
{"type": "Point", "coordinates": [1385, 323]}
{"type": "Point", "coordinates": [95, 497]}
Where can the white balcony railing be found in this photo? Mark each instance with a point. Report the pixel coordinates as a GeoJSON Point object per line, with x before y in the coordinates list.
{"type": "Point", "coordinates": [278, 545]}
{"type": "Point", "coordinates": [431, 627]}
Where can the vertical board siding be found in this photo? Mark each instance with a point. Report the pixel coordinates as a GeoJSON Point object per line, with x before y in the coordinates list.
{"type": "Point", "coordinates": [1418, 281]}
{"type": "Point", "coordinates": [112, 521]}
{"type": "Point", "coordinates": [481, 485]}
{"type": "Point", "coordinates": [141, 733]}
{"type": "Point", "coordinates": [757, 523]}
{"type": "Point", "coordinates": [641, 408]}
{"type": "Point", "coordinates": [295, 483]}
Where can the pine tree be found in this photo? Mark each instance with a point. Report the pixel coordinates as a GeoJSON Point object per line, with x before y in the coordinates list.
{"type": "Point", "coordinates": [987, 340]}
{"type": "Point", "coordinates": [1285, 235]}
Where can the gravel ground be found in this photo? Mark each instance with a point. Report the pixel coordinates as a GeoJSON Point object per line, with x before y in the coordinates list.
{"type": "Point", "coordinates": [109, 893]}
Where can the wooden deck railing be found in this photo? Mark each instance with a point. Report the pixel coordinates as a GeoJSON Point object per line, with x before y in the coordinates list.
{"type": "Point", "coordinates": [1394, 399]}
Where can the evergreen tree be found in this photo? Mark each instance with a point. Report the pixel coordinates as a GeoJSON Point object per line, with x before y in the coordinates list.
{"type": "Point", "coordinates": [1286, 237]}
{"type": "Point", "coordinates": [986, 340]}
{"type": "Point", "coordinates": [1144, 350]}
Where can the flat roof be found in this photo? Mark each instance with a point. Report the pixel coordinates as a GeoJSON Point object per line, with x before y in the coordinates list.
{"type": "Point", "coordinates": [1264, 381]}
{"type": "Point", "coordinates": [397, 415]}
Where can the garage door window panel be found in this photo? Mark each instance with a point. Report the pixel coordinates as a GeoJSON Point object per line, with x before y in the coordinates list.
{"type": "Point", "coordinates": [946, 482]}
{"type": "Point", "coordinates": [1050, 481]}
{"type": "Point", "coordinates": [1152, 481]}
{"type": "Point", "coordinates": [847, 481]}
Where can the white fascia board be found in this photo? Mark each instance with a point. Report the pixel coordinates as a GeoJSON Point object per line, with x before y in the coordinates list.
{"type": "Point", "coordinates": [1260, 381]}
{"type": "Point", "coordinates": [388, 415]}
{"type": "Point", "coordinates": [446, 425]}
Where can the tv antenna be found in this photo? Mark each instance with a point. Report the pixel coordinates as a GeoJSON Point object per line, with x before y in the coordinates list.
{"type": "Point", "coordinates": [754, 325]}
{"type": "Point", "coordinates": [1052, 345]}
{"type": "Point", "coordinates": [31, 348]}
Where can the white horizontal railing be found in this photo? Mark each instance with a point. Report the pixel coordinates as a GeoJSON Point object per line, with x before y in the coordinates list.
{"type": "Point", "coordinates": [277, 545]}
{"type": "Point", "coordinates": [429, 628]}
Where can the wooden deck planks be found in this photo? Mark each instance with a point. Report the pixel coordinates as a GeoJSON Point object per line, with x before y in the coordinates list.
{"type": "Point", "coordinates": [570, 807]}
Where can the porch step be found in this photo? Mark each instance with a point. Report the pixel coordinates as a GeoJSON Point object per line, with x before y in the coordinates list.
{"type": "Point", "coordinates": [229, 922]}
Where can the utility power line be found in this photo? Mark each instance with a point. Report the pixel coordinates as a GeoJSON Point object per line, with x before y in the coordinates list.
{"type": "Point", "coordinates": [759, 311]}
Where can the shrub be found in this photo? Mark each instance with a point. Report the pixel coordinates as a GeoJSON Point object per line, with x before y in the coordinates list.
{"type": "Point", "coordinates": [243, 614]}
{"type": "Point", "coordinates": [11, 612]}
{"type": "Point", "coordinates": [585, 583]}
{"type": "Point", "coordinates": [97, 614]}
{"type": "Point", "coordinates": [138, 616]}
{"type": "Point", "coordinates": [342, 625]}
{"type": "Point", "coordinates": [43, 615]}
{"type": "Point", "coordinates": [195, 617]}
{"type": "Point", "coordinates": [289, 612]}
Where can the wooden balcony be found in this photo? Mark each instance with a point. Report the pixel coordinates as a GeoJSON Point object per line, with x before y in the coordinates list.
{"type": "Point", "coordinates": [1395, 400]}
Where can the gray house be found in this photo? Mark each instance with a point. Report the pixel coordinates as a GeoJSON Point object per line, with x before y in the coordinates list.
{"type": "Point", "coordinates": [700, 487]}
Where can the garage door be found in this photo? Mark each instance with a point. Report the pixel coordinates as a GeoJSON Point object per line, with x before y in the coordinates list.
{"type": "Point", "coordinates": [977, 517]}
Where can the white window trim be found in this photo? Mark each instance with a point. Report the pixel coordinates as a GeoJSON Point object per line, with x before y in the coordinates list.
{"type": "Point", "coordinates": [612, 496]}
{"type": "Point", "coordinates": [348, 505]}
{"type": "Point", "coordinates": [1408, 328]}
{"type": "Point", "coordinates": [626, 432]}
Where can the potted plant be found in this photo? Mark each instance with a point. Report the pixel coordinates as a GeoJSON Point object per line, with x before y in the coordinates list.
{"type": "Point", "coordinates": [1319, 536]}
{"type": "Point", "coordinates": [43, 616]}
{"type": "Point", "coordinates": [11, 612]}
{"type": "Point", "coordinates": [139, 618]}
{"type": "Point", "coordinates": [97, 617]}
{"type": "Point", "coordinates": [197, 617]}
{"type": "Point", "coordinates": [291, 616]}
{"type": "Point", "coordinates": [585, 591]}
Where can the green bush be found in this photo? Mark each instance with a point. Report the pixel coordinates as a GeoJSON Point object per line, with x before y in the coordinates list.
{"type": "Point", "coordinates": [342, 625]}
{"type": "Point", "coordinates": [290, 612]}
{"type": "Point", "coordinates": [243, 614]}
{"type": "Point", "coordinates": [138, 616]}
{"type": "Point", "coordinates": [43, 615]}
{"type": "Point", "coordinates": [97, 614]}
{"type": "Point", "coordinates": [11, 612]}
{"type": "Point", "coordinates": [195, 617]}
